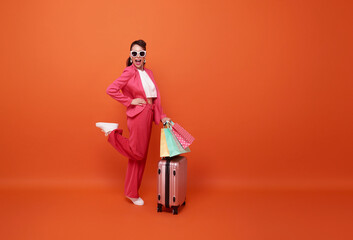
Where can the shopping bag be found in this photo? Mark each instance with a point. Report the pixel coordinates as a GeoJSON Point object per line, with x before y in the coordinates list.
{"type": "Point", "coordinates": [180, 147]}
{"type": "Point", "coordinates": [170, 146]}
{"type": "Point", "coordinates": [171, 143]}
{"type": "Point", "coordinates": [163, 145]}
{"type": "Point", "coordinates": [182, 135]}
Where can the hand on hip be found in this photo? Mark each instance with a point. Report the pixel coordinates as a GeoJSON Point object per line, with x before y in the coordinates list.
{"type": "Point", "coordinates": [138, 101]}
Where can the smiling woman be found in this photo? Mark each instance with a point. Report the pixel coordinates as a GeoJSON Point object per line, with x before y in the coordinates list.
{"type": "Point", "coordinates": [137, 90]}
{"type": "Point", "coordinates": [137, 54]}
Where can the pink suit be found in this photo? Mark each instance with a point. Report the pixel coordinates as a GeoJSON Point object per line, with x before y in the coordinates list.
{"type": "Point", "coordinates": [139, 121]}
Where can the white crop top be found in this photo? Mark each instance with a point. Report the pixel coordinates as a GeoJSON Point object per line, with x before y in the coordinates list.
{"type": "Point", "coordinates": [148, 85]}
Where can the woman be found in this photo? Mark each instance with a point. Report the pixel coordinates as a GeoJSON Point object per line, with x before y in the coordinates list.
{"type": "Point", "coordinates": [137, 90]}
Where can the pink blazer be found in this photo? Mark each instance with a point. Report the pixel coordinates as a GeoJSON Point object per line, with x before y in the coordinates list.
{"type": "Point", "coordinates": [131, 87]}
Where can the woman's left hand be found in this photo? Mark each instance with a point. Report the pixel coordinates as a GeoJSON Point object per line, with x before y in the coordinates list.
{"type": "Point", "coordinates": [165, 119]}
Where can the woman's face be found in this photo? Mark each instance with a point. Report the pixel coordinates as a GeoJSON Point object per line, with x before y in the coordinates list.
{"type": "Point", "coordinates": [137, 60]}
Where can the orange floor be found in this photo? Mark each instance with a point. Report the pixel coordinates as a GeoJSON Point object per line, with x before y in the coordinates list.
{"type": "Point", "coordinates": [49, 214]}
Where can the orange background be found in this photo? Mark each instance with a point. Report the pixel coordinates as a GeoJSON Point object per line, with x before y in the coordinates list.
{"type": "Point", "coordinates": [265, 87]}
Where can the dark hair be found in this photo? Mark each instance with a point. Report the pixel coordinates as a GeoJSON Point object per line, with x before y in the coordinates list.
{"type": "Point", "coordinates": [141, 43]}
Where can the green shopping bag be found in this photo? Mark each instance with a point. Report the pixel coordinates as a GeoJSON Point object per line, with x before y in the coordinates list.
{"type": "Point", "coordinates": [172, 145]}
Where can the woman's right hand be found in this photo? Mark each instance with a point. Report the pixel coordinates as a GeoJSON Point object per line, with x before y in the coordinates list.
{"type": "Point", "coordinates": [138, 101]}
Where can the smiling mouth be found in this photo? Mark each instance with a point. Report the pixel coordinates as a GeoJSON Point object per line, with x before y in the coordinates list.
{"type": "Point", "coordinates": [138, 61]}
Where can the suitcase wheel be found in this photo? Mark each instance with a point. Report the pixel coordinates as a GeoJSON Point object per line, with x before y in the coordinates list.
{"type": "Point", "coordinates": [175, 210]}
{"type": "Point", "coordinates": [159, 207]}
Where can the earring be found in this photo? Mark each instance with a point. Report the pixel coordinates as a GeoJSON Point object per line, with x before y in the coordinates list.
{"type": "Point", "coordinates": [130, 60]}
{"type": "Point", "coordinates": [144, 61]}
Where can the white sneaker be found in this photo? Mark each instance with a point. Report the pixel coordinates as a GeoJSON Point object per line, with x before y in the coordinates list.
{"type": "Point", "coordinates": [137, 201]}
{"type": "Point", "coordinates": [107, 127]}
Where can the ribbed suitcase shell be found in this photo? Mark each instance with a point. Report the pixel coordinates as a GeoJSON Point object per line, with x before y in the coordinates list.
{"type": "Point", "coordinates": [172, 184]}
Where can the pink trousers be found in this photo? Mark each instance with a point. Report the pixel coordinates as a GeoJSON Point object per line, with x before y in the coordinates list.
{"type": "Point", "coordinates": [134, 148]}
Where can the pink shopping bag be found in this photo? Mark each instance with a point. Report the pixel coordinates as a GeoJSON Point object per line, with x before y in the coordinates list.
{"type": "Point", "coordinates": [182, 135]}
